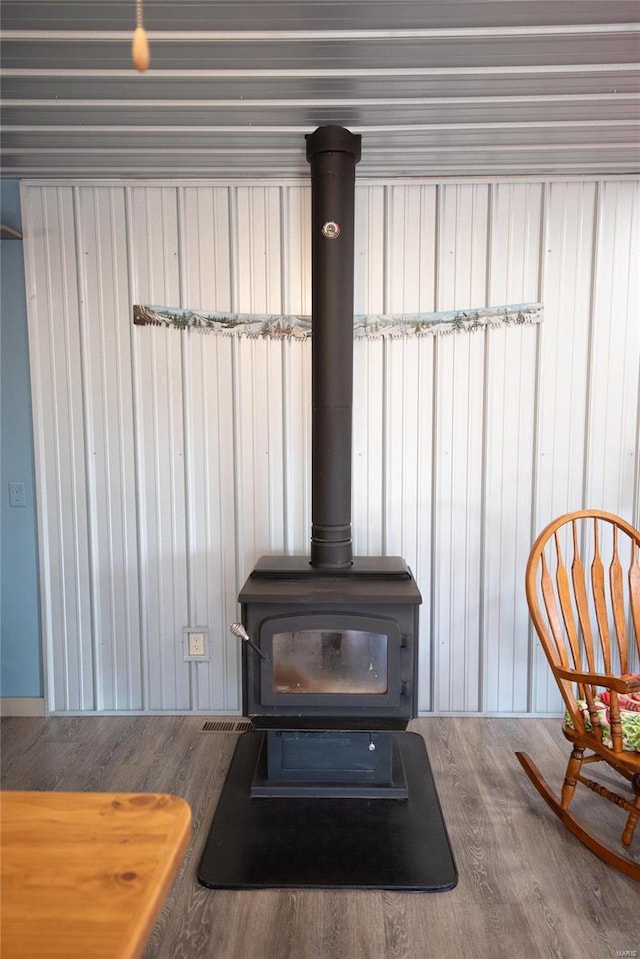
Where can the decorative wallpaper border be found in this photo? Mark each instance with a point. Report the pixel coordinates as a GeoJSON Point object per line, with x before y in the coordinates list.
{"type": "Point", "coordinates": [372, 326]}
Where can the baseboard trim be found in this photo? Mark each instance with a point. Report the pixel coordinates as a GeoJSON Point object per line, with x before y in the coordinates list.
{"type": "Point", "coordinates": [12, 706]}
{"type": "Point", "coordinates": [490, 714]}
{"type": "Point", "coordinates": [34, 706]}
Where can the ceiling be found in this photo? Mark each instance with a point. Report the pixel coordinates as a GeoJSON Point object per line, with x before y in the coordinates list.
{"type": "Point", "coordinates": [435, 87]}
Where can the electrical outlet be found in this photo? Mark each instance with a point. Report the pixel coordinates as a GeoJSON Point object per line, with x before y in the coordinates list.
{"type": "Point", "coordinates": [194, 643]}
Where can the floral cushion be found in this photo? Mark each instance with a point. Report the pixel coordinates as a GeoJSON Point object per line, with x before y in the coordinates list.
{"type": "Point", "coordinates": [629, 717]}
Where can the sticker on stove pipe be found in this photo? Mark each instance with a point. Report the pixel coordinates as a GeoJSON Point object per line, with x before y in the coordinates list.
{"type": "Point", "coordinates": [373, 326]}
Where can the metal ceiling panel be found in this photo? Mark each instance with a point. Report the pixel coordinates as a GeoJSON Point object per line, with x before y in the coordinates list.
{"type": "Point", "coordinates": [321, 14]}
{"type": "Point", "coordinates": [435, 88]}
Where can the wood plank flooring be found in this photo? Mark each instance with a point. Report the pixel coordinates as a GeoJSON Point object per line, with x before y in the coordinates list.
{"type": "Point", "coordinates": [527, 888]}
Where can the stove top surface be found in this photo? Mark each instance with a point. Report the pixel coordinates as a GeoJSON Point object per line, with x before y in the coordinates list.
{"type": "Point", "coordinates": [373, 579]}
{"type": "Point", "coordinates": [384, 567]}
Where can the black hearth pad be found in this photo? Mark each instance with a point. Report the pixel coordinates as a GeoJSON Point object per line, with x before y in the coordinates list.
{"type": "Point", "coordinates": [328, 843]}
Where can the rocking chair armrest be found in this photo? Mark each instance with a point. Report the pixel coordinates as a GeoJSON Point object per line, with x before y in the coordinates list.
{"type": "Point", "coordinates": [619, 683]}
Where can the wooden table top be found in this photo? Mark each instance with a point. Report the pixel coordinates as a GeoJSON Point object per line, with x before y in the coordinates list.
{"type": "Point", "coordinates": [85, 874]}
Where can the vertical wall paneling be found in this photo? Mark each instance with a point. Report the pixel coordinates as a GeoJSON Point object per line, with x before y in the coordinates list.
{"type": "Point", "coordinates": [55, 355]}
{"type": "Point", "coordinates": [257, 256]}
{"type": "Point", "coordinates": [296, 369]}
{"type": "Point", "coordinates": [563, 376]}
{"type": "Point", "coordinates": [168, 461]}
{"type": "Point", "coordinates": [410, 233]}
{"type": "Point", "coordinates": [514, 268]}
{"type": "Point", "coordinates": [369, 380]}
{"type": "Point", "coordinates": [611, 458]}
{"type": "Point", "coordinates": [208, 424]}
{"type": "Point", "coordinates": [460, 422]}
{"type": "Point", "coordinates": [368, 372]}
{"type": "Point", "coordinates": [160, 422]}
{"type": "Point", "coordinates": [612, 473]}
{"type": "Point", "coordinates": [564, 347]}
{"type": "Point", "coordinates": [110, 462]}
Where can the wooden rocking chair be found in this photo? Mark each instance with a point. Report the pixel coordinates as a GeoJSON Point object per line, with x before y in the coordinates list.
{"type": "Point", "coordinates": [586, 612]}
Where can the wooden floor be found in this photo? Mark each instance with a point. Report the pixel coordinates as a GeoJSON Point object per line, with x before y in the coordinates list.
{"type": "Point", "coordinates": [527, 888]}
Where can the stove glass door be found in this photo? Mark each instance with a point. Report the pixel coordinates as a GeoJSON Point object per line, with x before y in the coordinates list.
{"type": "Point", "coordinates": [330, 659]}
{"type": "Point", "coordinates": [346, 661]}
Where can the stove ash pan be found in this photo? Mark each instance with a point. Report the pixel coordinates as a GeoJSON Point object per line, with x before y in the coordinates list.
{"type": "Point", "coordinates": [330, 650]}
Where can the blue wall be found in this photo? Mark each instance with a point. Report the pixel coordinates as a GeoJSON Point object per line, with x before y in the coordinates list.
{"type": "Point", "coordinates": [20, 649]}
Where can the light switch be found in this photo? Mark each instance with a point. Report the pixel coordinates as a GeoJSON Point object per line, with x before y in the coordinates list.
{"type": "Point", "coordinates": [17, 494]}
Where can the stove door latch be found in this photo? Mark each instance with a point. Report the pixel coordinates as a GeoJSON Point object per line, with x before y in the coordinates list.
{"type": "Point", "coordinates": [238, 630]}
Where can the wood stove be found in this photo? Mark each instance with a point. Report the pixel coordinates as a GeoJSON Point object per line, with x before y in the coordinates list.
{"type": "Point", "coordinates": [331, 641]}
{"type": "Point", "coordinates": [330, 650]}
{"type": "Point", "coordinates": [330, 647]}
{"type": "Point", "coordinates": [329, 670]}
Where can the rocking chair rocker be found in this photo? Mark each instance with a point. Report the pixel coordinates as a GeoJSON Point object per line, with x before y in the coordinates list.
{"type": "Point", "coordinates": [588, 624]}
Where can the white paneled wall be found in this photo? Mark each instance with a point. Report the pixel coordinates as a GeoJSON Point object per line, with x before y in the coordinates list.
{"type": "Point", "coordinates": [167, 461]}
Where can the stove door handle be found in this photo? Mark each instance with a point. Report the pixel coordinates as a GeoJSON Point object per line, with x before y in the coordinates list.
{"type": "Point", "coordinates": [238, 630]}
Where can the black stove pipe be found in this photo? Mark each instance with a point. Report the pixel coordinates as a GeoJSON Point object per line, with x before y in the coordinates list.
{"type": "Point", "coordinates": [333, 153]}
